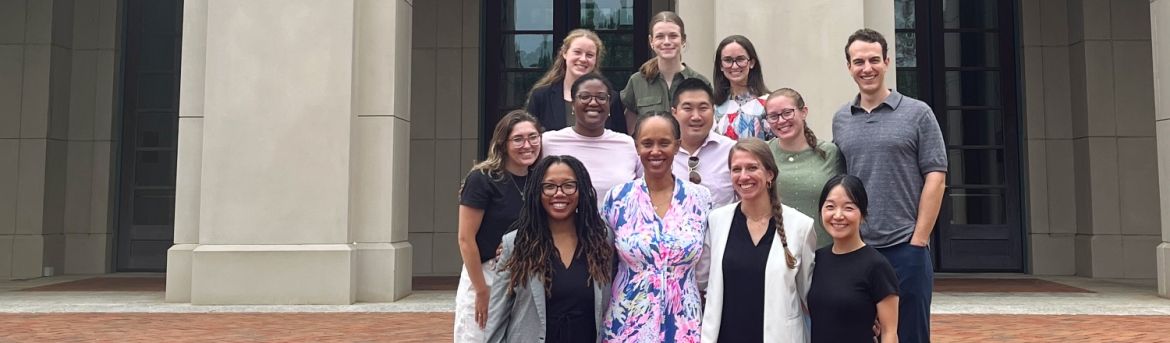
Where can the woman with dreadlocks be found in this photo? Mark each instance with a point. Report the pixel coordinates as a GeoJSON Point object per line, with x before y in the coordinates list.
{"type": "Point", "coordinates": [761, 257]}
{"type": "Point", "coordinates": [554, 288]}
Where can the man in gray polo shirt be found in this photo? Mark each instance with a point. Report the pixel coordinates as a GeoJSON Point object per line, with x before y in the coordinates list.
{"type": "Point", "coordinates": [894, 144]}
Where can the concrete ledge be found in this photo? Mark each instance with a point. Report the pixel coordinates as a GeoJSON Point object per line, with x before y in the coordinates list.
{"type": "Point", "coordinates": [1164, 269]}
{"type": "Point", "coordinates": [310, 274]}
{"type": "Point", "coordinates": [179, 273]}
{"type": "Point", "coordinates": [384, 271]}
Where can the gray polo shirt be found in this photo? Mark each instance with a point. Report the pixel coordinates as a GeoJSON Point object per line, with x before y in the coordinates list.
{"type": "Point", "coordinates": [890, 149]}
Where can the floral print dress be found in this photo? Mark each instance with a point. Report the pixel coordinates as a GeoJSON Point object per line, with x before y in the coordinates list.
{"type": "Point", "coordinates": [655, 292]}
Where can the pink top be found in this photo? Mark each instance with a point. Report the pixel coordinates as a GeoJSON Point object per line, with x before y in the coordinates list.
{"type": "Point", "coordinates": [611, 158]}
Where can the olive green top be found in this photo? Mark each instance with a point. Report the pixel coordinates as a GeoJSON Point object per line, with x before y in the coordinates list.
{"type": "Point", "coordinates": [649, 96]}
{"type": "Point", "coordinates": [803, 176]}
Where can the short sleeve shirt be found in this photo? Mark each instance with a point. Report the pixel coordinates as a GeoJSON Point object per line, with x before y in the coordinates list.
{"type": "Point", "coordinates": [842, 301]}
{"type": "Point", "coordinates": [500, 199]}
{"type": "Point", "coordinates": [890, 149]}
{"type": "Point", "coordinates": [611, 158]}
{"type": "Point", "coordinates": [648, 96]}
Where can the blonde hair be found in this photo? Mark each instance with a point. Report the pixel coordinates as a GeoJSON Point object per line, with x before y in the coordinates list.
{"type": "Point", "coordinates": [649, 70]}
{"type": "Point", "coordinates": [557, 71]}
{"type": "Point", "coordinates": [759, 149]}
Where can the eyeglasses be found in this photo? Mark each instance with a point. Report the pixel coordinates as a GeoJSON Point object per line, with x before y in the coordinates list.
{"type": "Point", "coordinates": [693, 165]}
{"type": "Point", "coordinates": [775, 117]}
{"type": "Point", "coordinates": [739, 61]}
{"type": "Point", "coordinates": [551, 189]}
{"type": "Point", "coordinates": [518, 141]}
{"type": "Point", "coordinates": [586, 98]}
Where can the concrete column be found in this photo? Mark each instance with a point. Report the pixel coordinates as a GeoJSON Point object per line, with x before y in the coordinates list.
{"type": "Point", "coordinates": [791, 35]}
{"type": "Point", "coordinates": [293, 152]}
{"type": "Point", "coordinates": [1160, 34]}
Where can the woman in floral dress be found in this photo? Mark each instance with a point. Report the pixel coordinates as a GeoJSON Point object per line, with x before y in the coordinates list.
{"type": "Point", "coordinates": [659, 223]}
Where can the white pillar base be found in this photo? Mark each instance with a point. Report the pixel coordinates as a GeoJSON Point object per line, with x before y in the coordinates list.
{"type": "Point", "coordinates": [384, 271]}
{"type": "Point", "coordinates": [1164, 269]}
{"type": "Point", "coordinates": [309, 274]}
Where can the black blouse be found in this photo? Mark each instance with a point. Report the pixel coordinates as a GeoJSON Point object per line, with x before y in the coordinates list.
{"type": "Point", "coordinates": [743, 282]}
{"type": "Point", "coordinates": [570, 305]}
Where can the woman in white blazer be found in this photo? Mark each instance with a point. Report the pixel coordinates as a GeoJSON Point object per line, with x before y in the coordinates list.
{"type": "Point", "coordinates": [760, 257]}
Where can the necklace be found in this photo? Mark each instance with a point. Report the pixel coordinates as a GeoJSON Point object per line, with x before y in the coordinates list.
{"type": "Point", "coordinates": [514, 184]}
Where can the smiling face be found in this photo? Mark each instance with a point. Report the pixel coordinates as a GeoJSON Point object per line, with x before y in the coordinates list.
{"type": "Point", "coordinates": [786, 129]}
{"type": "Point", "coordinates": [736, 72]}
{"type": "Point", "coordinates": [749, 176]}
{"type": "Point", "coordinates": [868, 66]}
{"type": "Point", "coordinates": [666, 39]}
{"type": "Point", "coordinates": [581, 57]}
{"type": "Point", "coordinates": [526, 153]}
{"type": "Point", "coordinates": [559, 206]}
{"type": "Point", "coordinates": [840, 216]}
{"type": "Point", "coordinates": [593, 113]}
{"type": "Point", "coordinates": [695, 114]}
{"type": "Point", "coordinates": [656, 146]}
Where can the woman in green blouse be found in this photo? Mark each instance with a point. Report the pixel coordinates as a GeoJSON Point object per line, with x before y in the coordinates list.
{"type": "Point", "coordinates": [649, 90]}
{"type": "Point", "coordinates": [805, 162]}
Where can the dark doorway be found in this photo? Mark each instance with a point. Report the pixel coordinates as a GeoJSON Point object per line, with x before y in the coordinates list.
{"type": "Point", "coordinates": [149, 124]}
{"type": "Point", "coordinates": [960, 56]}
{"type": "Point", "coordinates": [521, 38]}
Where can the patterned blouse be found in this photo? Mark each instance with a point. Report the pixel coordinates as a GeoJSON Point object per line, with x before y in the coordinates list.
{"type": "Point", "coordinates": [655, 292]}
{"type": "Point", "coordinates": [742, 116]}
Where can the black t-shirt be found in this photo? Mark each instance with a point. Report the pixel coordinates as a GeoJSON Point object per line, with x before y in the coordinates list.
{"type": "Point", "coordinates": [500, 201]}
{"type": "Point", "coordinates": [744, 264]}
{"type": "Point", "coordinates": [846, 288]}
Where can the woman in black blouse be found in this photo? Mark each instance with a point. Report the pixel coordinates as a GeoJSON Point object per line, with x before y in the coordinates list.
{"type": "Point", "coordinates": [491, 196]}
{"type": "Point", "coordinates": [760, 257]}
{"type": "Point", "coordinates": [550, 99]}
{"type": "Point", "coordinates": [854, 283]}
{"type": "Point", "coordinates": [555, 286]}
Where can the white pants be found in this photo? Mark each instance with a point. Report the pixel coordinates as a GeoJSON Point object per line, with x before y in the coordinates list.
{"type": "Point", "coordinates": [466, 329]}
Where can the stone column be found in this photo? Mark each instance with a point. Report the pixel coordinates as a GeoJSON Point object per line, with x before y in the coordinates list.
{"type": "Point", "coordinates": [791, 35]}
{"type": "Point", "coordinates": [1160, 34]}
{"type": "Point", "coordinates": [292, 171]}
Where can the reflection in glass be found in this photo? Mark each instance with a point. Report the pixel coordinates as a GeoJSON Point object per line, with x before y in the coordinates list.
{"type": "Point", "coordinates": [906, 49]}
{"type": "Point", "coordinates": [974, 127]}
{"type": "Point", "coordinates": [978, 206]}
{"type": "Point", "coordinates": [515, 87]}
{"type": "Point", "coordinates": [527, 15]}
{"type": "Point", "coordinates": [903, 14]}
{"type": "Point", "coordinates": [528, 51]}
{"type": "Point", "coordinates": [971, 14]}
{"type": "Point", "coordinates": [908, 82]}
{"type": "Point", "coordinates": [971, 49]}
{"type": "Point", "coordinates": [975, 167]}
{"type": "Point", "coordinates": [619, 50]}
{"type": "Point", "coordinates": [972, 88]}
{"type": "Point", "coordinates": [607, 14]}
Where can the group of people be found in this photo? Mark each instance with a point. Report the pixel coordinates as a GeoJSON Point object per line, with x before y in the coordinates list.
{"type": "Point", "coordinates": [719, 217]}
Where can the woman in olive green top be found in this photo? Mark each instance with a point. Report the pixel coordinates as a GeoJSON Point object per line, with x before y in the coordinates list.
{"type": "Point", "coordinates": [805, 162]}
{"type": "Point", "coordinates": [650, 89]}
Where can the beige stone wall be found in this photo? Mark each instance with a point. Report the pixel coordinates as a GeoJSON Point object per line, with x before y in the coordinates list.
{"type": "Point", "coordinates": [444, 137]}
{"type": "Point", "coordinates": [1088, 104]}
{"type": "Point", "coordinates": [1160, 43]}
{"type": "Point", "coordinates": [57, 72]}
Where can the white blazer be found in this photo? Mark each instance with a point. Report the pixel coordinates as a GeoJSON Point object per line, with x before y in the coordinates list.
{"type": "Point", "coordinates": [785, 290]}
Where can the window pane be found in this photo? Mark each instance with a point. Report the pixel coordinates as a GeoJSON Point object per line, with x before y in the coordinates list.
{"type": "Point", "coordinates": [903, 14]}
{"type": "Point", "coordinates": [978, 206]}
{"type": "Point", "coordinates": [154, 207]}
{"type": "Point", "coordinates": [974, 127]}
{"type": "Point", "coordinates": [156, 91]}
{"type": "Point", "coordinates": [528, 51]}
{"type": "Point", "coordinates": [515, 87]}
{"type": "Point", "coordinates": [527, 15]}
{"type": "Point", "coordinates": [618, 78]}
{"type": "Point", "coordinates": [971, 49]}
{"type": "Point", "coordinates": [619, 50]}
{"type": "Point", "coordinates": [908, 82]}
{"type": "Point", "coordinates": [970, 14]}
{"type": "Point", "coordinates": [975, 167]}
{"type": "Point", "coordinates": [972, 88]}
{"type": "Point", "coordinates": [155, 130]}
{"type": "Point", "coordinates": [607, 14]}
{"type": "Point", "coordinates": [906, 48]}
{"type": "Point", "coordinates": [154, 168]}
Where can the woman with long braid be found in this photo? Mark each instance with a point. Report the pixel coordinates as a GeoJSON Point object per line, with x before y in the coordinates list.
{"type": "Point", "coordinates": [555, 287]}
{"type": "Point", "coordinates": [760, 255]}
{"type": "Point", "coordinates": [805, 162]}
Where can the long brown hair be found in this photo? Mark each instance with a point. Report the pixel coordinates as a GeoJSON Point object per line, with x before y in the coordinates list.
{"type": "Point", "coordinates": [649, 69]}
{"type": "Point", "coordinates": [760, 150]}
{"type": "Point", "coordinates": [755, 81]}
{"type": "Point", "coordinates": [493, 165]}
{"type": "Point", "coordinates": [557, 70]}
{"type": "Point", "coordinates": [809, 136]}
{"type": "Point", "coordinates": [534, 242]}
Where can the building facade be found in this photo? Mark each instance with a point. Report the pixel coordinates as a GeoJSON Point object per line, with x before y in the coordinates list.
{"type": "Point", "coordinates": [309, 151]}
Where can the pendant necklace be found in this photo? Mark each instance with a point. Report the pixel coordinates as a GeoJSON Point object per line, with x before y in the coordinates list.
{"type": "Point", "coordinates": [514, 184]}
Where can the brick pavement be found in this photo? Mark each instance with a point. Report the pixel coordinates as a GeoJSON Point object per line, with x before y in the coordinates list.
{"type": "Point", "coordinates": [436, 327]}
